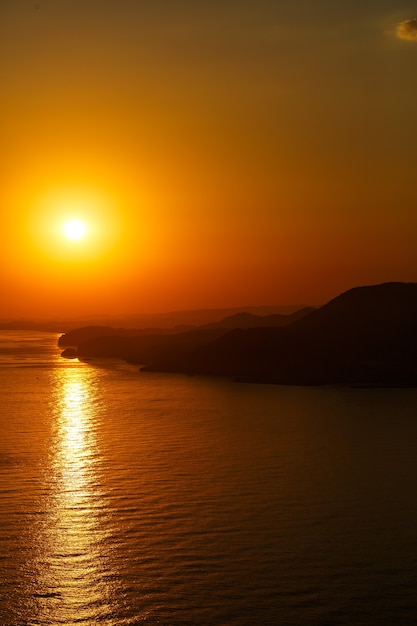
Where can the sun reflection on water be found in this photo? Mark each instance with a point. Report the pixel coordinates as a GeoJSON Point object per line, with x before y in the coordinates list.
{"type": "Point", "coordinates": [75, 572]}
{"type": "Point", "coordinates": [75, 458]}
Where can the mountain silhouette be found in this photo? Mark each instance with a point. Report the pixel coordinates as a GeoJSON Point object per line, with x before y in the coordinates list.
{"type": "Point", "coordinates": [140, 345]}
{"type": "Point", "coordinates": [365, 336]}
{"type": "Point", "coordinates": [249, 320]}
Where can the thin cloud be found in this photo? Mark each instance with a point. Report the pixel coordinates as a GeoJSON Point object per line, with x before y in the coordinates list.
{"type": "Point", "coordinates": [407, 30]}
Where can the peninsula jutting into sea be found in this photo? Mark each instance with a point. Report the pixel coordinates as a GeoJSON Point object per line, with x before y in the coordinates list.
{"type": "Point", "coordinates": [365, 336]}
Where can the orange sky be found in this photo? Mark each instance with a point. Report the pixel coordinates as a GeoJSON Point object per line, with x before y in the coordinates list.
{"type": "Point", "coordinates": [221, 154]}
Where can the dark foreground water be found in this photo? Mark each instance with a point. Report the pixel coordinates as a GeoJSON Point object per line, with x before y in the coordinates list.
{"type": "Point", "coordinates": [130, 498]}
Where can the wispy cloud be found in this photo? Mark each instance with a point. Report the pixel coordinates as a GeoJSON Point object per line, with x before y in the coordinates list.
{"type": "Point", "coordinates": [407, 30]}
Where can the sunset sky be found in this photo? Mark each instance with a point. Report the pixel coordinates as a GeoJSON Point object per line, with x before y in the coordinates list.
{"type": "Point", "coordinates": [218, 153]}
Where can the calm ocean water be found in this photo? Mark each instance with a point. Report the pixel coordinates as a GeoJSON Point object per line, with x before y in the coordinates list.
{"type": "Point", "coordinates": [130, 498]}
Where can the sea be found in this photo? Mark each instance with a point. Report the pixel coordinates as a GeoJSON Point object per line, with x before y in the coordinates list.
{"type": "Point", "coordinates": [132, 498]}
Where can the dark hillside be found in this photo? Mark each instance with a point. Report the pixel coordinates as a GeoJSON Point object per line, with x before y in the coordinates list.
{"type": "Point", "coordinates": [367, 335]}
{"type": "Point", "coordinates": [145, 348]}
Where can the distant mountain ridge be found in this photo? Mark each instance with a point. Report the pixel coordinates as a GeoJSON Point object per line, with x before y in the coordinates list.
{"type": "Point", "coordinates": [242, 319]}
{"type": "Point", "coordinates": [250, 320]}
{"type": "Point", "coordinates": [146, 322]}
{"type": "Point", "coordinates": [365, 336]}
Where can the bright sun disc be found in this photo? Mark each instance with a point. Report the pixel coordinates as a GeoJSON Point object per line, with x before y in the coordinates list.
{"type": "Point", "coordinates": [74, 229]}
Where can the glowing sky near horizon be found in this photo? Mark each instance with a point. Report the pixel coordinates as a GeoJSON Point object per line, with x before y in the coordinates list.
{"type": "Point", "coordinates": [221, 153]}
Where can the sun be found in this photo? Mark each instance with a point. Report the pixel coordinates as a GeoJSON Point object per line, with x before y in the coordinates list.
{"type": "Point", "coordinates": [74, 229]}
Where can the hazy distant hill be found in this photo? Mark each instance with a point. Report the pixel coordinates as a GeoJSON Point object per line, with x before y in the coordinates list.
{"type": "Point", "coordinates": [80, 335]}
{"type": "Point", "coordinates": [250, 320]}
{"type": "Point", "coordinates": [197, 317]}
{"type": "Point", "coordinates": [145, 323]}
{"type": "Point", "coordinates": [44, 326]}
{"type": "Point", "coordinates": [169, 345]}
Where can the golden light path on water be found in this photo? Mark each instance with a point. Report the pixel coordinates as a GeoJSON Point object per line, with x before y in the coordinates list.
{"type": "Point", "coordinates": [76, 570]}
